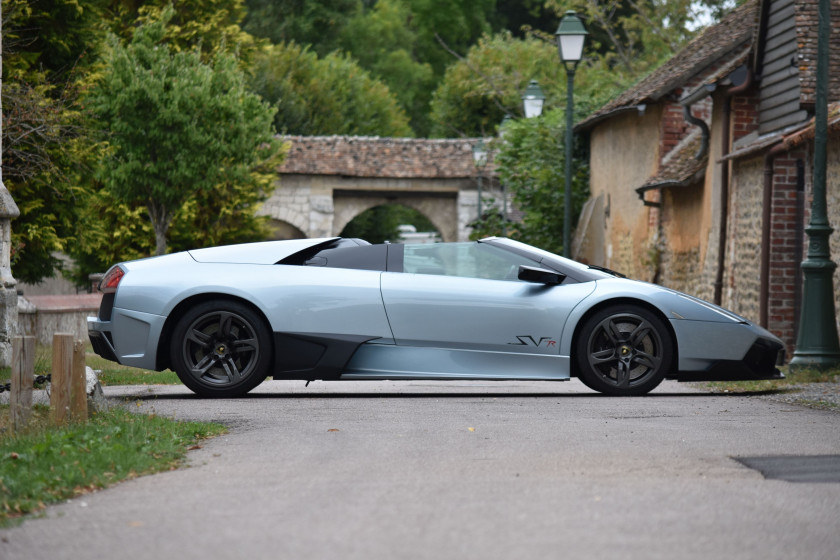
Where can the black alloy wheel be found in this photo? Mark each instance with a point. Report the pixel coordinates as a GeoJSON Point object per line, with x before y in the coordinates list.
{"type": "Point", "coordinates": [624, 350]}
{"type": "Point", "coordinates": [221, 349]}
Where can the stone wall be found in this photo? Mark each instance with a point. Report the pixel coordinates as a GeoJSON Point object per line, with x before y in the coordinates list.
{"type": "Point", "coordinates": [8, 293]}
{"type": "Point", "coordinates": [833, 202]}
{"type": "Point", "coordinates": [624, 154]}
{"type": "Point", "coordinates": [743, 254]}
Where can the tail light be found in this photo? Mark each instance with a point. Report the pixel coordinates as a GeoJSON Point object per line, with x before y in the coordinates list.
{"type": "Point", "coordinates": [111, 280]}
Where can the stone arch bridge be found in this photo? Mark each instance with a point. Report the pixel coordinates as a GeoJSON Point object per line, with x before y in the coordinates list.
{"type": "Point", "coordinates": [326, 181]}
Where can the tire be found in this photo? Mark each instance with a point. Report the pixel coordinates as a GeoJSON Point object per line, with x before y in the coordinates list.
{"type": "Point", "coordinates": [624, 350]}
{"type": "Point", "coordinates": [221, 349]}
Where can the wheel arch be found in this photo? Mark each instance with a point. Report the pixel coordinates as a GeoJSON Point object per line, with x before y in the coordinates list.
{"type": "Point", "coordinates": [162, 360]}
{"type": "Point", "coordinates": [573, 367]}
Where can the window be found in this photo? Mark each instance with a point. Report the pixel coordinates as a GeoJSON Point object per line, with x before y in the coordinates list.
{"type": "Point", "coordinates": [468, 260]}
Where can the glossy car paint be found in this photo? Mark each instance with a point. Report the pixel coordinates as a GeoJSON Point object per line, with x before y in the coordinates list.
{"type": "Point", "coordinates": [400, 325]}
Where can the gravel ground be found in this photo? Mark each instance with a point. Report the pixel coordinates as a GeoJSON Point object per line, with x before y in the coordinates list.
{"type": "Point", "coordinates": [816, 395]}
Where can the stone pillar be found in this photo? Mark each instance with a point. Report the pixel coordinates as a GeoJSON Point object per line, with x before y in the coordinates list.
{"type": "Point", "coordinates": [8, 294]}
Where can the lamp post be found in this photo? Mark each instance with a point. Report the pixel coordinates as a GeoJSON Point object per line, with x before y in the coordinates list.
{"type": "Point", "coordinates": [816, 343]}
{"type": "Point", "coordinates": [480, 158]}
{"type": "Point", "coordinates": [570, 37]}
{"type": "Point", "coordinates": [502, 131]}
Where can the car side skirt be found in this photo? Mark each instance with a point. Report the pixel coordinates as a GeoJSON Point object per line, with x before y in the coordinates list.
{"type": "Point", "coordinates": [381, 361]}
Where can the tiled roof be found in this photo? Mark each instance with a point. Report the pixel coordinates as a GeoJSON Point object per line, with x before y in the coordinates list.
{"type": "Point", "coordinates": [367, 156]}
{"type": "Point", "coordinates": [731, 34]}
{"type": "Point", "coordinates": [681, 168]}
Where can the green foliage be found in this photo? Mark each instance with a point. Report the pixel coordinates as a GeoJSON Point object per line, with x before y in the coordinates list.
{"type": "Point", "coordinates": [49, 37]}
{"type": "Point", "coordinates": [445, 28]}
{"type": "Point", "coordinates": [629, 38]}
{"type": "Point", "coordinates": [383, 43]}
{"type": "Point", "coordinates": [211, 26]}
{"type": "Point", "coordinates": [531, 164]}
{"type": "Point", "coordinates": [316, 23]}
{"type": "Point", "coordinates": [178, 126]}
{"type": "Point", "coordinates": [47, 465]}
{"type": "Point", "coordinates": [379, 224]}
{"type": "Point", "coordinates": [404, 43]}
{"type": "Point", "coordinates": [332, 95]}
{"type": "Point", "coordinates": [479, 90]}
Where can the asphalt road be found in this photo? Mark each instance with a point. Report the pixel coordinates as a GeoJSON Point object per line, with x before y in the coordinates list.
{"type": "Point", "coordinates": [381, 470]}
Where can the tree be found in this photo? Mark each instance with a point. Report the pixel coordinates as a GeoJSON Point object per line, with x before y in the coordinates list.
{"type": "Point", "coordinates": [383, 42]}
{"type": "Point", "coordinates": [317, 24]}
{"type": "Point", "coordinates": [487, 84]}
{"type": "Point", "coordinates": [178, 126]}
{"type": "Point", "coordinates": [43, 132]}
{"type": "Point", "coordinates": [630, 38]}
{"type": "Point", "coordinates": [332, 95]}
{"type": "Point", "coordinates": [531, 163]}
{"type": "Point", "coordinates": [210, 26]}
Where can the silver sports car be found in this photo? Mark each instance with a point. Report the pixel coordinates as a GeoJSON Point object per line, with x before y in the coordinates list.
{"type": "Point", "coordinates": [225, 318]}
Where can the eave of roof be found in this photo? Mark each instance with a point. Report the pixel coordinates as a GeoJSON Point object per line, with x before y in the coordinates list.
{"type": "Point", "coordinates": [791, 138]}
{"type": "Point", "coordinates": [681, 169]}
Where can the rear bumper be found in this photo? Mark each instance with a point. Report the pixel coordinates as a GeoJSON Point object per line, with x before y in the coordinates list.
{"type": "Point", "coordinates": [101, 341]}
{"type": "Point", "coordinates": [129, 338]}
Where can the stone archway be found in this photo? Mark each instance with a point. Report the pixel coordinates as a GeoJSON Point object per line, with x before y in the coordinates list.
{"type": "Point", "coordinates": [286, 206]}
{"type": "Point", "coordinates": [441, 211]}
{"type": "Point", "coordinates": [284, 230]}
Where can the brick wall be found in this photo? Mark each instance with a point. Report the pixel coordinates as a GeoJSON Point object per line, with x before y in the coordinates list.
{"type": "Point", "coordinates": [673, 127]}
{"type": "Point", "coordinates": [784, 242]}
{"type": "Point", "coordinates": [744, 116]}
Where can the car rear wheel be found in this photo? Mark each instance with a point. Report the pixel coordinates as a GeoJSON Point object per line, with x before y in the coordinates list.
{"type": "Point", "coordinates": [624, 350]}
{"type": "Point", "coordinates": [221, 349]}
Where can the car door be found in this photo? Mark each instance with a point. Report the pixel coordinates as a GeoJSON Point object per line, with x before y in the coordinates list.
{"type": "Point", "coordinates": [467, 296]}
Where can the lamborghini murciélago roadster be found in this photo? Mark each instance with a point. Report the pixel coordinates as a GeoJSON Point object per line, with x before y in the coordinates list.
{"type": "Point", "coordinates": [225, 318]}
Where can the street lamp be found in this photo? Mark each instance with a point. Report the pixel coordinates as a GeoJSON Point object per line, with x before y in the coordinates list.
{"type": "Point", "coordinates": [817, 343]}
{"type": "Point", "coordinates": [533, 99]}
{"type": "Point", "coordinates": [480, 158]}
{"type": "Point", "coordinates": [502, 132]}
{"type": "Point", "coordinates": [570, 37]}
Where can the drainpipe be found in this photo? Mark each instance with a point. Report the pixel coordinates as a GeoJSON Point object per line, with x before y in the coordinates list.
{"type": "Point", "coordinates": [766, 216]}
{"type": "Point", "coordinates": [724, 183]}
{"type": "Point", "coordinates": [696, 96]}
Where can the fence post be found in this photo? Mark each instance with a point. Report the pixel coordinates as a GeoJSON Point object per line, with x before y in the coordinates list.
{"type": "Point", "coordinates": [23, 371]}
{"type": "Point", "coordinates": [62, 371]}
{"type": "Point", "coordinates": [78, 384]}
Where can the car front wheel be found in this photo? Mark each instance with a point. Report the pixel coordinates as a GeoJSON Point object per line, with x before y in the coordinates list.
{"type": "Point", "coordinates": [221, 349]}
{"type": "Point", "coordinates": [624, 350]}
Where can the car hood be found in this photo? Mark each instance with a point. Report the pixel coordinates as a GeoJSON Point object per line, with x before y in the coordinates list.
{"type": "Point", "coordinates": [266, 252]}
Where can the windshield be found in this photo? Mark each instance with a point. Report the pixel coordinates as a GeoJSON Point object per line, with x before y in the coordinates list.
{"type": "Point", "coordinates": [572, 269]}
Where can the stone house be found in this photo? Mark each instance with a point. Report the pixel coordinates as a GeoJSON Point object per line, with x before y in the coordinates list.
{"type": "Point", "coordinates": [701, 172]}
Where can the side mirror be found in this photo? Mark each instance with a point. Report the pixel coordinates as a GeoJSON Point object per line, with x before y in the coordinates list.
{"type": "Point", "coordinates": [540, 276]}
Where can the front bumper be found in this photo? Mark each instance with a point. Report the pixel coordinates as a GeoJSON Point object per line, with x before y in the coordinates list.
{"type": "Point", "coordinates": [759, 362]}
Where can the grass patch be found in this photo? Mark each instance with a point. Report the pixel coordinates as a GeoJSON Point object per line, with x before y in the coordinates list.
{"type": "Point", "coordinates": [796, 377]}
{"type": "Point", "coordinates": [111, 373]}
{"type": "Point", "coordinates": [45, 464]}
